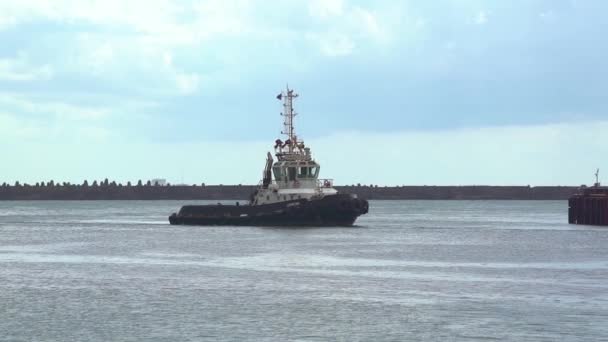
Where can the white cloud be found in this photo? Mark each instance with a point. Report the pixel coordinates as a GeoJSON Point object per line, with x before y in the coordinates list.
{"type": "Point", "coordinates": [369, 22]}
{"type": "Point", "coordinates": [56, 109]}
{"type": "Point", "coordinates": [163, 21]}
{"type": "Point", "coordinates": [150, 16]}
{"type": "Point", "coordinates": [325, 8]}
{"type": "Point", "coordinates": [43, 120]}
{"type": "Point", "coordinates": [187, 83]}
{"type": "Point", "coordinates": [100, 57]}
{"type": "Point", "coordinates": [344, 29]}
{"type": "Point", "coordinates": [152, 44]}
{"type": "Point", "coordinates": [481, 18]}
{"type": "Point", "coordinates": [7, 21]}
{"type": "Point", "coordinates": [167, 59]}
{"type": "Point", "coordinates": [144, 43]}
{"type": "Point", "coordinates": [334, 44]}
{"type": "Point", "coordinates": [223, 18]}
{"type": "Point", "coordinates": [19, 69]}
{"type": "Point", "coordinates": [15, 128]}
{"type": "Point", "coordinates": [548, 15]}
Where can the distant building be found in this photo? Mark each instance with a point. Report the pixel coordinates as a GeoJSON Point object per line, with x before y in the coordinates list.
{"type": "Point", "coordinates": [158, 181]}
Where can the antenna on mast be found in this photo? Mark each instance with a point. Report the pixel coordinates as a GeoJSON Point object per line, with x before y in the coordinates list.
{"type": "Point", "coordinates": [287, 96]}
{"type": "Point", "coordinates": [597, 180]}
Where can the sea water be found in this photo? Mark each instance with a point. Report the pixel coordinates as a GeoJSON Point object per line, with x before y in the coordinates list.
{"type": "Point", "coordinates": [408, 270]}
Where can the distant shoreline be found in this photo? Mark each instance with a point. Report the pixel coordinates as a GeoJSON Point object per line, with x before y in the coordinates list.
{"type": "Point", "coordinates": [113, 191]}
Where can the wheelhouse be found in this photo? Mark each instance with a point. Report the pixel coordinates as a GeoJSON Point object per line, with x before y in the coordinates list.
{"type": "Point", "coordinates": [295, 171]}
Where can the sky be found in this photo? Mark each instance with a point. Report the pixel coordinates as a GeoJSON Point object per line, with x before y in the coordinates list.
{"type": "Point", "coordinates": [392, 92]}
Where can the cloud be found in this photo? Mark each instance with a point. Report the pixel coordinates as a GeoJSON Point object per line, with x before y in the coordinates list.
{"type": "Point", "coordinates": [369, 22]}
{"type": "Point", "coordinates": [325, 8]}
{"type": "Point", "coordinates": [547, 15]}
{"type": "Point", "coordinates": [59, 110]}
{"type": "Point", "coordinates": [40, 135]}
{"type": "Point", "coordinates": [152, 16]}
{"type": "Point", "coordinates": [187, 83]}
{"type": "Point", "coordinates": [481, 18]}
{"type": "Point", "coordinates": [116, 42]}
{"type": "Point", "coordinates": [344, 28]}
{"type": "Point", "coordinates": [43, 120]}
{"type": "Point", "coordinates": [334, 44]}
{"type": "Point", "coordinates": [20, 70]}
{"type": "Point", "coordinates": [126, 40]}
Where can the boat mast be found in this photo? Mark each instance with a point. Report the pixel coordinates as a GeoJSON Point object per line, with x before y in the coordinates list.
{"type": "Point", "coordinates": [288, 114]}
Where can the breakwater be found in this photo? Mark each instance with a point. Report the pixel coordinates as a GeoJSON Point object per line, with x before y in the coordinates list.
{"type": "Point", "coordinates": [113, 191]}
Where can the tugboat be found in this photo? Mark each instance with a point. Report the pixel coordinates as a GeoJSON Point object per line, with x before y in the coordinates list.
{"type": "Point", "coordinates": [295, 197]}
{"type": "Point", "coordinates": [590, 205]}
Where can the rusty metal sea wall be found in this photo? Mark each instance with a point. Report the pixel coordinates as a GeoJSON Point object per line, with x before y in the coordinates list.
{"type": "Point", "coordinates": [589, 207]}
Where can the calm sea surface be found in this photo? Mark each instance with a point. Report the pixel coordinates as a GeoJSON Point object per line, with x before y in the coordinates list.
{"type": "Point", "coordinates": [410, 270]}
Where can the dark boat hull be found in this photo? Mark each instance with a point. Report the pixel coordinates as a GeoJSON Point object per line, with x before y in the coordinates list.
{"type": "Point", "coordinates": [333, 210]}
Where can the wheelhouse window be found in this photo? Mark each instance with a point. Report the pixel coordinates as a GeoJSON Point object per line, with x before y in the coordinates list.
{"type": "Point", "coordinates": [303, 172]}
{"type": "Point", "coordinates": [291, 173]}
{"type": "Point", "coordinates": [278, 173]}
{"type": "Point", "coordinates": [308, 172]}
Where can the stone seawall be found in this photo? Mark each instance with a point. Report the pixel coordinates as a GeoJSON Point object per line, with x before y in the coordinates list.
{"type": "Point", "coordinates": [242, 192]}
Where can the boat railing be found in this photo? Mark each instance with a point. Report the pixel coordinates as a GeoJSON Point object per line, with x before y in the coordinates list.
{"type": "Point", "coordinates": [295, 184]}
{"type": "Point", "coordinates": [293, 156]}
{"type": "Point", "coordinates": [325, 183]}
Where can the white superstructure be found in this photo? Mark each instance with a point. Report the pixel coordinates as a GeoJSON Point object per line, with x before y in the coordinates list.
{"type": "Point", "coordinates": [295, 174]}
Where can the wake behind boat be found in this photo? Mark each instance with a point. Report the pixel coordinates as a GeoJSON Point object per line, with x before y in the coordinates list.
{"type": "Point", "coordinates": [294, 197]}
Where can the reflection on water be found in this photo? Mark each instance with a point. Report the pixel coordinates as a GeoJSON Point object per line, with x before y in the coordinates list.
{"type": "Point", "coordinates": [432, 270]}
